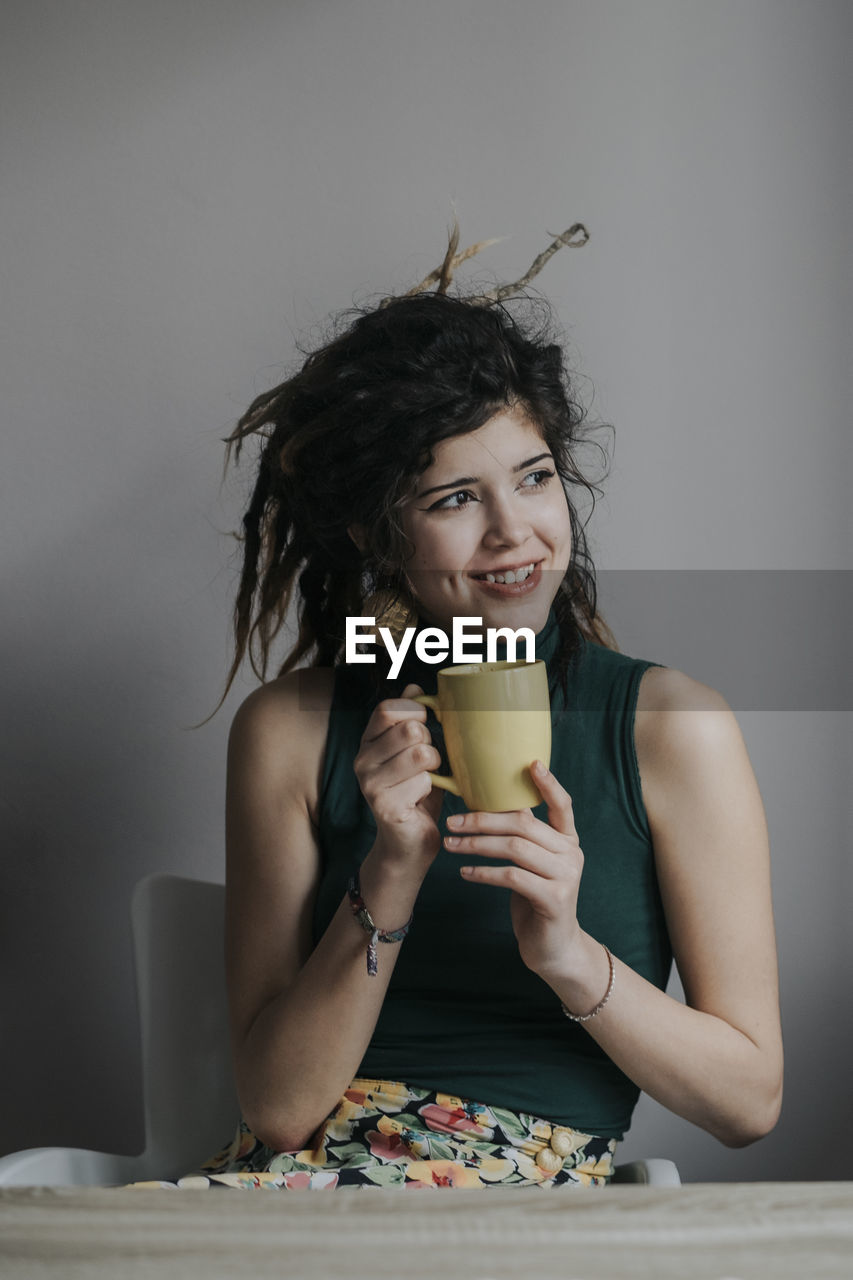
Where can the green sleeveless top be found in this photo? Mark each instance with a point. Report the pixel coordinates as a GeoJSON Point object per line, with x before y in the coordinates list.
{"type": "Point", "coordinates": [462, 1014]}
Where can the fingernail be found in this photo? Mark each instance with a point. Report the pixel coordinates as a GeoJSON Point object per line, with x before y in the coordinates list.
{"type": "Point", "coordinates": [451, 841]}
{"type": "Point", "coordinates": [455, 820]}
{"type": "Point", "coordinates": [539, 767]}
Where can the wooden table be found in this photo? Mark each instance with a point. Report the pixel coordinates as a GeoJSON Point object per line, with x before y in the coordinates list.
{"type": "Point", "coordinates": [712, 1231]}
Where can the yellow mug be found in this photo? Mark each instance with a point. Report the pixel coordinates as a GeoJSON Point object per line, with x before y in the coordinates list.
{"type": "Point", "coordinates": [496, 718]}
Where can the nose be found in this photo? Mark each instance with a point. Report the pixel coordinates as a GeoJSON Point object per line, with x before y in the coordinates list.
{"type": "Point", "coordinates": [507, 524]}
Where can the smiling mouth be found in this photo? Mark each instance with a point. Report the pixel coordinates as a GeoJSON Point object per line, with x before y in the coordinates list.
{"type": "Point", "coordinates": [518, 574]}
{"type": "Point", "coordinates": [512, 582]}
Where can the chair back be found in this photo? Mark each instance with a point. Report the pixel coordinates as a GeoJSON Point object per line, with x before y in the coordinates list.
{"type": "Point", "coordinates": [191, 1106]}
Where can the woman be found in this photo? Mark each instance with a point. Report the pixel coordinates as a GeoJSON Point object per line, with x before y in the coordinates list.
{"type": "Point", "coordinates": [518, 1004]}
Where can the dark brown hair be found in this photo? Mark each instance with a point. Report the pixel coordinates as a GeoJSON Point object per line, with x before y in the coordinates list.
{"type": "Point", "coordinates": [345, 438]}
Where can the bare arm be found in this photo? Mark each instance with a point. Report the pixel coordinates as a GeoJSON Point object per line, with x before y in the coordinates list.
{"type": "Point", "coordinates": [716, 1060]}
{"type": "Point", "coordinates": [301, 1018]}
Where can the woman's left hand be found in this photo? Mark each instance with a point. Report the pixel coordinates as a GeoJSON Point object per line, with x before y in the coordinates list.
{"type": "Point", "coordinates": [544, 874]}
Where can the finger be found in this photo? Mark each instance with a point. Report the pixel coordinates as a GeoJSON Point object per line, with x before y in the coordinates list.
{"type": "Point", "coordinates": [560, 813]}
{"type": "Point", "coordinates": [538, 892]}
{"type": "Point", "coordinates": [523, 853]}
{"type": "Point", "coordinates": [518, 822]}
{"type": "Point", "coordinates": [392, 711]}
{"type": "Point", "coordinates": [397, 804]}
{"type": "Point", "coordinates": [396, 738]}
{"type": "Point", "coordinates": [406, 795]}
{"type": "Point", "coordinates": [412, 758]}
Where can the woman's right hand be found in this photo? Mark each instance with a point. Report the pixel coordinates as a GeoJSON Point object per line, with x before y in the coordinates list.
{"type": "Point", "coordinates": [392, 767]}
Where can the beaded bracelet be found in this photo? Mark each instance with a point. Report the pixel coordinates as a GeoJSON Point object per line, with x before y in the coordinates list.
{"type": "Point", "coordinates": [363, 916]}
{"type": "Point", "coordinates": [585, 1017]}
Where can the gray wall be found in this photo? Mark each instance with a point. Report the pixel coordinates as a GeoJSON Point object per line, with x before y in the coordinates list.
{"type": "Point", "coordinates": [186, 188]}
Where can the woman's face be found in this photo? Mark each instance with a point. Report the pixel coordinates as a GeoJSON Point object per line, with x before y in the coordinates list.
{"type": "Point", "coordinates": [491, 502]}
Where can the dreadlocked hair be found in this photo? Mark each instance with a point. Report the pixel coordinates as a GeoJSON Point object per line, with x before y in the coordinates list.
{"type": "Point", "coordinates": [344, 441]}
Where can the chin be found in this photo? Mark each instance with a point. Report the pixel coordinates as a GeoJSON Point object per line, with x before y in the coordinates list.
{"type": "Point", "coordinates": [523, 614]}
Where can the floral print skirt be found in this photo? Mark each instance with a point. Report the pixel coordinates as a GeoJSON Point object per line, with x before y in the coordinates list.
{"type": "Point", "coordinates": [386, 1134]}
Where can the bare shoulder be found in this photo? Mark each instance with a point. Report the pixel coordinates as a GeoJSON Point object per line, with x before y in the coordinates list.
{"type": "Point", "coordinates": [685, 734]}
{"type": "Point", "coordinates": [279, 733]}
{"type": "Point", "coordinates": [668, 689]}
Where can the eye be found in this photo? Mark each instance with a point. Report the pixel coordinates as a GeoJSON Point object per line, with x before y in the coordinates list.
{"type": "Point", "coordinates": [464, 497]}
{"type": "Point", "coordinates": [540, 478]}
{"type": "Point", "coordinates": [449, 503]}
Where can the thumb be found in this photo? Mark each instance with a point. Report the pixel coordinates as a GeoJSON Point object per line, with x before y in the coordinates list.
{"type": "Point", "coordinates": [411, 691]}
{"type": "Point", "coordinates": [433, 803]}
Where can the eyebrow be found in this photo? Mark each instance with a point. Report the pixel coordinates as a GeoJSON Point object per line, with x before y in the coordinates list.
{"type": "Point", "coordinates": [456, 484]}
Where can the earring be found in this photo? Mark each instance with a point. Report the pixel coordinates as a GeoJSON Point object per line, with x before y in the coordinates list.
{"type": "Point", "coordinates": [392, 608]}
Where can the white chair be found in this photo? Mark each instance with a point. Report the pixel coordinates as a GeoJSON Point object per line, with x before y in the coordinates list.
{"type": "Point", "coordinates": [191, 1107]}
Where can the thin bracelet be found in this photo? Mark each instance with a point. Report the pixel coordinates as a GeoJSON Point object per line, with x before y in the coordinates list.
{"type": "Point", "coordinates": [363, 916]}
{"type": "Point", "coordinates": [585, 1017]}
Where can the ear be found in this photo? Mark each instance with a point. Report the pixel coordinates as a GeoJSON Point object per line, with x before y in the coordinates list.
{"type": "Point", "coordinates": [356, 532]}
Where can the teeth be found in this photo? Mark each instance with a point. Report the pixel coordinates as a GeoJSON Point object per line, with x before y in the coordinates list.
{"type": "Point", "coordinates": [510, 577]}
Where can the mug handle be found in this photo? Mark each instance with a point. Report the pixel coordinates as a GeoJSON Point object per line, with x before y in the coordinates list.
{"type": "Point", "coordinates": [445, 783]}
